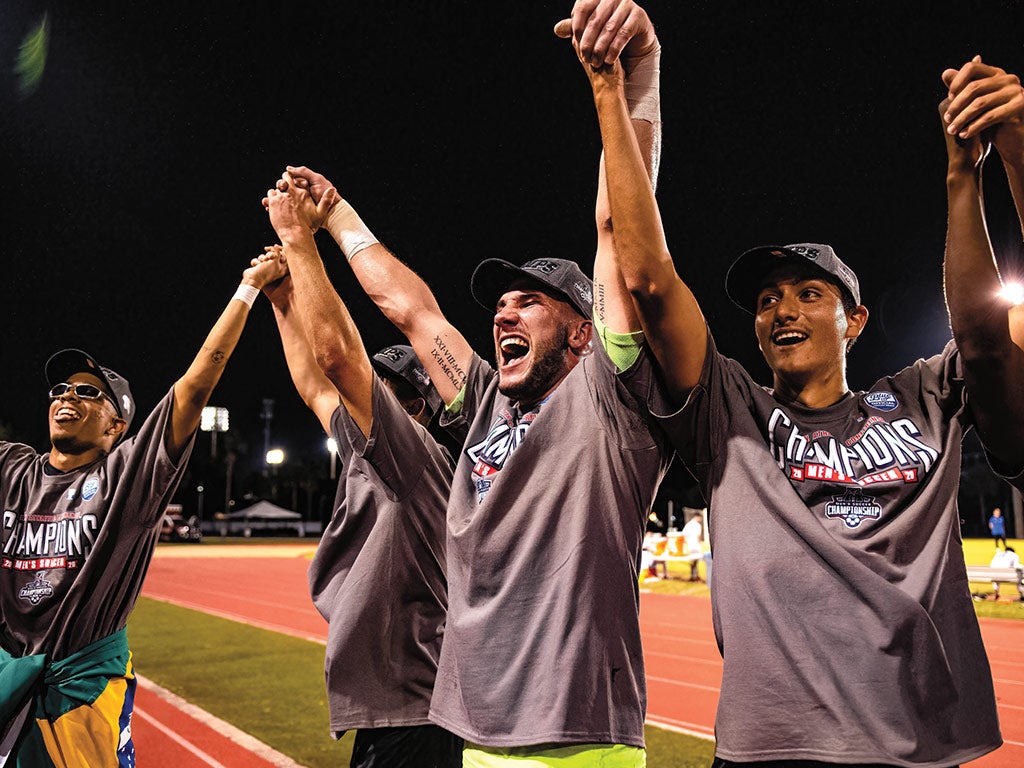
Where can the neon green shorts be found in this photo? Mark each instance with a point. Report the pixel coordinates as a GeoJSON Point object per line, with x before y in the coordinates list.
{"type": "Point", "coordinates": [575, 756]}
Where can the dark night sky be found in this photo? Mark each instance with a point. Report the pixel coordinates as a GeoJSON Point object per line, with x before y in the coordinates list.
{"type": "Point", "coordinates": [459, 130]}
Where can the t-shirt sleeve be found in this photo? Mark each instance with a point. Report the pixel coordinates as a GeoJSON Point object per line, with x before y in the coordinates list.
{"type": "Point", "coordinates": [14, 452]}
{"type": "Point", "coordinates": [396, 448]}
{"type": "Point", "coordinates": [14, 457]}
{"type": "Point", "coordinates": [622, 412]}
{"type": "Point", "coordinates": [147, 476]}
{"type": "Point", "coordinates": [697, 426]}
{"type": "Point", "coordinates": [942, 380]}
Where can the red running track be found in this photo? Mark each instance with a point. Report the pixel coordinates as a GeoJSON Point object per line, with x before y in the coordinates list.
{"type": "Point", "coordinates": [168, 731]}
{"type": "Point", "coordinates": [684, 668]}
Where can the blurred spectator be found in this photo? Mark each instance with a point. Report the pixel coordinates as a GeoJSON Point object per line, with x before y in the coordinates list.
{"type": "Point", "coordinates": [997, 526]}
{"type": "Point", "coordinates": [1006, 558]}
{"type": "Point", "coordinates": [693, 544]}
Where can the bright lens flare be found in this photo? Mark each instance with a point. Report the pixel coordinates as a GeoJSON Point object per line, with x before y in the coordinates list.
{"type": "Point", "coordinates": [1013, 293]}
{"type": "Point", "coordinates": [31, 59]}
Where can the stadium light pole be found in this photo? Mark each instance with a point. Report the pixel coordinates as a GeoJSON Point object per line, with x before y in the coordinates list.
{"type": "Point", "coordinates": [214, 420]}
{"type": "Point", "coordinates": [332, 448]}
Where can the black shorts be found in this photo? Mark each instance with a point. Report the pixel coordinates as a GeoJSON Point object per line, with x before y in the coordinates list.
{"type": "Point", "coordinates": [414, 746]}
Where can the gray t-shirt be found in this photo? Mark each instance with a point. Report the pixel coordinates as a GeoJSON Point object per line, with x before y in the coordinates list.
{"type": "Point", "coordinates": [543, 643]}
{"type": "Point", "coordinates": [840, 598]}
{"type": "Point", "coordinates": [378, 574]}
{"type": "Point", "coordinates": [75, 546]}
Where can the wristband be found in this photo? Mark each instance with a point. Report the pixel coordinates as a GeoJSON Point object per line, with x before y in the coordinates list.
{"type": "Point", "coordinates": [348, 230]}
{"type": "Point", "coordinates": [643, 94]}
{"type": "Point", "coordinates": [247, 294]}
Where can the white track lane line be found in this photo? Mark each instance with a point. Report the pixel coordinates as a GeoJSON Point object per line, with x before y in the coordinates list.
{"type": "Point", "coordinates": [176, 738]}
{"type": "Point", "coordinates": [226, 729]}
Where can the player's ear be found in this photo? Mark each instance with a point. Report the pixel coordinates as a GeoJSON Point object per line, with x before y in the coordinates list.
{"type": "Point", "coordinates": [581, 336]}
{"type": "Point", "coordinates": [856, 319]}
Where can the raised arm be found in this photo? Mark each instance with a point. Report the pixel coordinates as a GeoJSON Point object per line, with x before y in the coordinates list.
{"type": "Point", "coordinates": [638, 254]}
{"type": "Point", "coordinates": [985, 102]}
{"type": "Point", "coordinates": [401, 294]}
{"type": "Point", "coordinates": [315, 389]}
{"type": "Point", "coordinates": [192, 391]}
{"type": "Point", "coordinates": [330, 331]}
{"type": "Point", "coordinates": [619, 32]}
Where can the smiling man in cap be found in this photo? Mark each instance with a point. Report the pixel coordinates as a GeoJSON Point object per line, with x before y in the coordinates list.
{"type": "Point", "coordinates": [82, 395]}
{"type": "Point", "coordinates": [840, 596]}
{"type": "Point", "coordinates": [78, 530]}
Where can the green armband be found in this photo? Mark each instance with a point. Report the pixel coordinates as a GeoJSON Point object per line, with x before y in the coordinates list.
{"type": "Point", "coordinates": [455, 406]}
{"type": "Point", "coordinates": [622, 348]}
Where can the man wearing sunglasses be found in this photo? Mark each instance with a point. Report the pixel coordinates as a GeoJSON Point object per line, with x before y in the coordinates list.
{"type": "Point", "coordinates": [79, 524]}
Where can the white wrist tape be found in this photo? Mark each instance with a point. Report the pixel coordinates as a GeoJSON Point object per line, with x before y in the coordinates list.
{"type": "Point", "coordinates": [642, 87]}
{"type": "Point", "coordinates": [246, 293]}
{"type": "Point", "coordinates": [348, 230]}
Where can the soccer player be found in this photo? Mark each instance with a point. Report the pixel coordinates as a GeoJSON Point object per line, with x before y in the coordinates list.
{"type": "Point", "coordinates": [840, 598]}
{"type": "Point", "coordinates": [378, 575]}
{"type": "Point", "coordinates": [79, 526]}
{"type": "Point", "coordinates": [541, 660]}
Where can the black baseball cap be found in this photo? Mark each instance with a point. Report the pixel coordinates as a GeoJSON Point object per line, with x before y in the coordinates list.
{"type": "Point", "coordinates": [492, 278]}
{"type": "Point", "coordinates": [400, 360]}
{"type": "Point", "coordinates": [67, 362]}
{"type": "Point", "coordinates": [746, 275]}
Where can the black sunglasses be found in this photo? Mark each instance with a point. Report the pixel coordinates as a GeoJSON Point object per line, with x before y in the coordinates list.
{"type": "Point", "coordinates": [80, 390]}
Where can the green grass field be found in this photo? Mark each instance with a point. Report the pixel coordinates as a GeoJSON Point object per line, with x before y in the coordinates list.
{"type": "Point", "coordinates": [272, 686]}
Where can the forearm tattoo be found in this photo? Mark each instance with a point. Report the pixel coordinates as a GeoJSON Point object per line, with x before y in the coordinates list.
{"type": "Point", "coordinates": [600, 302]}
{"type": "Point", "coordinates": [444, 358]}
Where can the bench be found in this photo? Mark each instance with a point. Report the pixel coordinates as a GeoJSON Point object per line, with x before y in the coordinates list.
{"type": "Point", "coordinates": [998, 574]}
{"type": "Point", "coordinates": [668, 549]}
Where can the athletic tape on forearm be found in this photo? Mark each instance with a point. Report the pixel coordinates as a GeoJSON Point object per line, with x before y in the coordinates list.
{"type": "Point", "coordinates": [642, 87]}
{"type": "Point", "coordinates": [246, 293]}
{"type": "Point", "coordinates": [348, 230]}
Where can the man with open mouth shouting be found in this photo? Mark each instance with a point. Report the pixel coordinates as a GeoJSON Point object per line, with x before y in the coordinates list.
{"type": "Point", "coordinates": [541, 662]}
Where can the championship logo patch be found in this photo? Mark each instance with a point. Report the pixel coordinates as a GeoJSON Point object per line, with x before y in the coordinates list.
{"type": "Point", "coordinates": [853, 507]}
{"type": "Point", "coordinates": [90, 487]}
{"type": "Point", "coordinates": [36, 590]}
{"type": "Point", "coordinates": [881, 401]}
